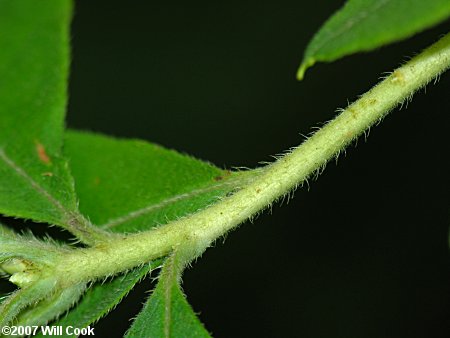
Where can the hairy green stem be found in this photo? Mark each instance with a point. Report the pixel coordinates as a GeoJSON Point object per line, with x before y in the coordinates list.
{"type": "Point", "coordinates": [202, 228]}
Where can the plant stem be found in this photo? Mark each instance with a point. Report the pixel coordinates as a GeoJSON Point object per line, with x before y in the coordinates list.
{"type": "Point", "coordinates": [277, 179]}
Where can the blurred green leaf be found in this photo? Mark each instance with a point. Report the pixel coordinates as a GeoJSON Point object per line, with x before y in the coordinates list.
{"type": "Point", "coordinates": [363, 25]}
{"type": "Point", "coordinates": [34, 56]}
{"type": "Point", "coordinates": [130, 185]}
{"type": "Point", "coordinates": [167, 313]}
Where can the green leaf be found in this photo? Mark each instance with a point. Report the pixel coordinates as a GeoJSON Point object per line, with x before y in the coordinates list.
{"type": "Point", "coordinates": [363, 25]}
{"type": "Point", "coordinates": [34, 180]}
{"type": "Point", "coordinates": [34, 53]}
{"type": "Point", "coordinates": [130, 185]}
{"type": "Point", "coordinates": [167, 313]}
{"type": "Point", "coordinates": [103, 297]}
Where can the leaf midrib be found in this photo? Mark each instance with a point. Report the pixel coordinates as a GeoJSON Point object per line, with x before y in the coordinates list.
{"type": "Point", "coordinates": [236, 181]}
{"type": "Point", "coordinates": [171, 274]}
{"type": "Point", "coordinates": [34, 185]}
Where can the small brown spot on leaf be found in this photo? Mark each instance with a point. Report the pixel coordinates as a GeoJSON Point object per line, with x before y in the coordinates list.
{"type": "Point", "coordinates": [221, 177]}
{"type": "Point", "coordinates": [42, 154]}
{"type": "Point", "coordinates": [96, 180]}
{"type": "Point", "coordinates": [258, 191]}
{"type": "Point", "coordinates": [47, 174]}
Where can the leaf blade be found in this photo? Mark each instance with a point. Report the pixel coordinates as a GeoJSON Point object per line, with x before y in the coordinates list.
{"type": "Point", "coordinates": [167, 312]}
{"type": "Point", "coordinates": [34, 180]}
{"type": "Point", "coordinates": [363, 25]}
{"type": "Point", "coordinates": [132, 185]}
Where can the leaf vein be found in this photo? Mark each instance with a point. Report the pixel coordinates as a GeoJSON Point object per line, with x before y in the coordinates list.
{"type": "Point", "coordinates": [170, 272]}
{"type": "Point", "coordinates": [152, 207]}
{"type": "Point", "coordinates": [38, 188]}
{"type": "Point", "coordinates": [71, 220]}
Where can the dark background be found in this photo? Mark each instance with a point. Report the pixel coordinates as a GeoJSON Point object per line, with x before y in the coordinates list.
{"type": "Point", "coordinates": [364, 252]}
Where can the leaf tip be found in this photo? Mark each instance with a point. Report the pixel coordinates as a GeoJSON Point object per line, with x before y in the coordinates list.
{"type": "Point", "coordinates": [306, 63]}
